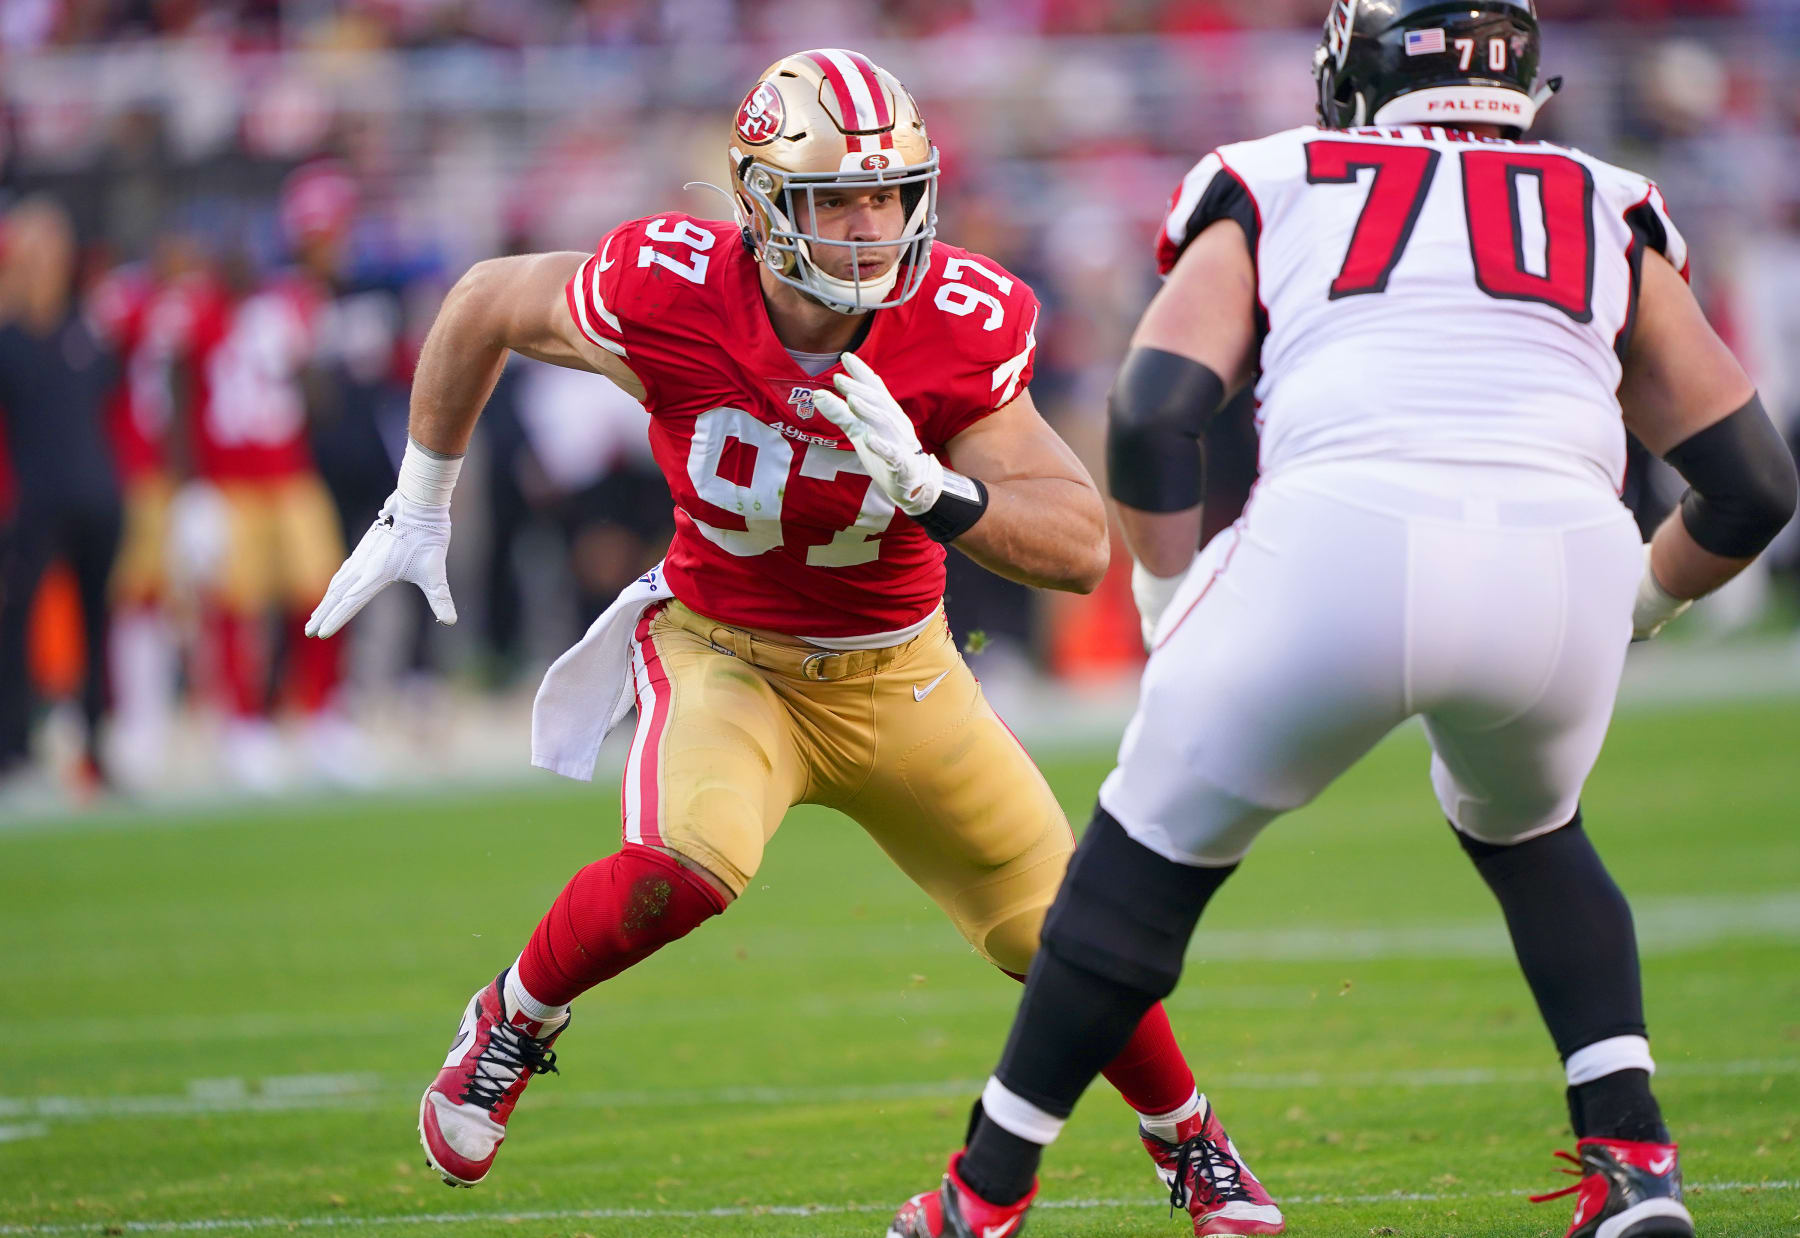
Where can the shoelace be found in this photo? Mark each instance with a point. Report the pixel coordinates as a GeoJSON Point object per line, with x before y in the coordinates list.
{"type": "Point", "coordinates": [1219, 1168]}
{"type": "Point", "coordinates": [1577, 1172]}
{"type": "Point", "coordinates": [510, 1052]}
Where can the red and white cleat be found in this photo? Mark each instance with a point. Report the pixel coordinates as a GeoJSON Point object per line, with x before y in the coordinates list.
{"type": "Point", "coordinates": [1627, 1190]}
{"type": "Point", "coordinates": [954, 1211]}
{"type": "Point", "coordinates": [462, 1116]}
{"type": "Point", "coordinates": [1205, 1175]}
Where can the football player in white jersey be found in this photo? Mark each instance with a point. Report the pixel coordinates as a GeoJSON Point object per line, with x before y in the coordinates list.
{"type": "Point", "coordinates": [1452, 327]}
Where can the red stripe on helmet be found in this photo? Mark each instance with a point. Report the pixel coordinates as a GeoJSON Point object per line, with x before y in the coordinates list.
{"type": "Point", "coordinates": [840, 87]}
{"type": "Point", "coordinates": [882, 119]}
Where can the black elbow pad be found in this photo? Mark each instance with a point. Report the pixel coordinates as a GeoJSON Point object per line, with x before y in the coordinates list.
{"type": "Point", "coordinates": [1743, 485]}
{"type": "Point", "coordinates": [1158, 410]}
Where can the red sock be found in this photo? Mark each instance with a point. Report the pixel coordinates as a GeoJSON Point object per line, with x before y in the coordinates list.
{"type": "Point", "coordinates": [613, 914]}
{"type": "Point", "coordinates": [315, 667]}
{"type": "Point", "coordinates": [1150, 1072]}
{"type": "Point", "coordinates": [239, 659]}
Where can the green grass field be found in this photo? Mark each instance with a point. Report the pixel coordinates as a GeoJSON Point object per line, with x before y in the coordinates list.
{"type": "Point", "coordinates": [222, 1022]}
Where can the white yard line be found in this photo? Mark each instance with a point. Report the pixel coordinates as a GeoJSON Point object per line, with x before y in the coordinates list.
{"type": "Point", "coordinates": [340, 1221]}
{"type": "Point", "coordinates": [310, 1093]}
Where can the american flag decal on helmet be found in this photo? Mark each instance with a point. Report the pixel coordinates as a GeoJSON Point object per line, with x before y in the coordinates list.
{"type": "Point", "coordinates": [1424, 42]}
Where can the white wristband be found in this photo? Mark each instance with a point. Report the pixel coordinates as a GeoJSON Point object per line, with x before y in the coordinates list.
{"type": "Point", "coordinates": [427, 477]}
{"type": "Point", "coordinates": [1655, 605]}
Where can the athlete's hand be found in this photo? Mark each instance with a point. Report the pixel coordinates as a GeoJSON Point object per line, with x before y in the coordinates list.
{"type": "Point", "coordinates": [883, 436]}
{"type": "Point", "coordinates": [1152, 594]}
{"type": "Point", "coordinates": [1655, 606]}
{"type": "Point", "coordinates": [408, 541]}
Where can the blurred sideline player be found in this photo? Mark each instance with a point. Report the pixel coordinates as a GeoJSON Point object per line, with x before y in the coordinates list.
{"type": "Point", "coordinates": [132, 308]}
{"type": "Point", "coordinates": [1447, 322]}
{"type": "Point", "coordinates": [249, 361]}
{"type": "Point", "coordinates": [803, 657]}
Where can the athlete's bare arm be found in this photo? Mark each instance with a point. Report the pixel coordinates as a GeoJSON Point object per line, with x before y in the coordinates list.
{"type": "Point", "coordinates": [1205, 311]}
{"type": "Point", "coordinates": [1679, 379]}
{"type": "Point", "coordinates": [1045, 524]}
{"type": "Point", "coordinates": [500, 304]}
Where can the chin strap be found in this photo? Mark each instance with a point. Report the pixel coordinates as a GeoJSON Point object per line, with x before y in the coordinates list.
{"type": "Point", "coordinates": [1542, 94]}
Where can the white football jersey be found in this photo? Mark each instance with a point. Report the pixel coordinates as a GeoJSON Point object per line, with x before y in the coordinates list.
{"type": "Point", "coordinates": [1430, 295]}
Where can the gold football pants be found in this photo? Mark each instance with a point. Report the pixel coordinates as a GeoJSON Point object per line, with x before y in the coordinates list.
{"type": "Point", "coordinates": [736, 725]}
{"type": "Point", "coordinates": [284, 544]}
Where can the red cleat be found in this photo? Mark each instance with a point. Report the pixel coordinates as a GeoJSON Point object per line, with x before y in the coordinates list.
{"type": "Point", "coordinates": [1205, 1175]}
{"type": "Point", "coordinates": [954, 1211]}
{"type": "Point", "coordinates": [1627, 1190]}
{"type": "Point", "coordinates": [462, 1116]}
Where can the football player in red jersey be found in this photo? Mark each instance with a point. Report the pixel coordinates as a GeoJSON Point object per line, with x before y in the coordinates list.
{"type": "Point", "coordinates": [835, 396]}
{"type": "Point", "coordinates": [248, 365]}
{"type": "Point", "coordinates": [137, 308]}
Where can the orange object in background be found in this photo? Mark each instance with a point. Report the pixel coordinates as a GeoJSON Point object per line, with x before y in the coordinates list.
{"type": "Point", "coordinates": [55, 651]}
{"type": "Point", "coordinates": [1096, 637]}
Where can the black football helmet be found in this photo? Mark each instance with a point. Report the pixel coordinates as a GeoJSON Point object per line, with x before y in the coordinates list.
{"type": "Point", "coordinates": [1435, 62]}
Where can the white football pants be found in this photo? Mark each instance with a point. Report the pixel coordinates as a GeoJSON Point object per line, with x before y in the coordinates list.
{"type": "Point", "coordinates": [1344, 602]}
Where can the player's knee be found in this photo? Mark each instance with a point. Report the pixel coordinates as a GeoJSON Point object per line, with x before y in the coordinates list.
{"type": "Point", "coordinates": [718, 831]}
{"type": "Point", "coordinates": [1010, 944]}
{"type": "Point", "coordinates": [1507, 852]}
{"type": "Point", "coordinates": [1521, 822]}
{"type": "Point", "coordinates": [699, 870]}
{"type": "Point", "coordinates": [644, 899]}
{"type": "Point", "coordinates": [1127, 913]}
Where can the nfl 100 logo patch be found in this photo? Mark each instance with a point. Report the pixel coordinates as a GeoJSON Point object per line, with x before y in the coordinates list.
{"type": "Point", "coordinates": [1424, 42]}
{"type": "Point", "coordinates": [802, 400]}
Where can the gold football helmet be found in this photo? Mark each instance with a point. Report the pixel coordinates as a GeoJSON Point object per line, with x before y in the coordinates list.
{"type": "Point", "coordinates": [832, 119]}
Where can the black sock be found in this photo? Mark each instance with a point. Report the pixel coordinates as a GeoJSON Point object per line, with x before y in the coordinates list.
{"type": "Point", "coordinates": [1571, 928]}
{"type": "Point", "coordinates": [1617, 1106]}
{"type": "Point", "coordinates": [1070, 1024]}
{"type": "Point", "coordinates": [1112, 947]}
{"type": "Point", "coordinates": [998, 1166]}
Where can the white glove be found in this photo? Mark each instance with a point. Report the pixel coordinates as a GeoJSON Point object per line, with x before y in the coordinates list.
{"type": "Point", "coordinates": [1655, 606]}
{"type": "Point", "coordinates": [1152, 594]}
{"type": "Point", "coordinates": [408, 541]}
{"type": "Point", "coordinates": [883, 436]}
{"type": "Point", "coordinates": [199, 536]}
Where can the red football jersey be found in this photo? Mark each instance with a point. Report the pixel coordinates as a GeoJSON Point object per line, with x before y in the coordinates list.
{"type": "Point", "coordinates": [124, 307]}
{"type": "Point", "coordinates": [249, 412]}
{"type": "Point", "coordinates": [777, 523]}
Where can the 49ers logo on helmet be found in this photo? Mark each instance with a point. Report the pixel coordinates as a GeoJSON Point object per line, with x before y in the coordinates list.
{"type": "Point", "coordinates": [875, 162]}
{"type": "Point", "coordinates": [759, 119]}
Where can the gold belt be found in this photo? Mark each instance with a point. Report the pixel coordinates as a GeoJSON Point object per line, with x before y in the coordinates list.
{"type": "Point", "coordinates": [788, 655]}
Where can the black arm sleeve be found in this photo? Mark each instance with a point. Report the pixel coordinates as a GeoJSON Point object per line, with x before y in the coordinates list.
{"type": "Point", "coordinates": [1158, 409]}
{"type": "Point", "coordinates": [1743, 486]}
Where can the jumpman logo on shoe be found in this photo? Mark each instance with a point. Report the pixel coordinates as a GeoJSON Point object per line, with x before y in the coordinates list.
{"type": "Point", "coordinates": [920, 694]}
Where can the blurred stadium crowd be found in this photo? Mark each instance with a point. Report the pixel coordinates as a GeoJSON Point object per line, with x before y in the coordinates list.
{"type": "Point", "coordinates": [230, 226]}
